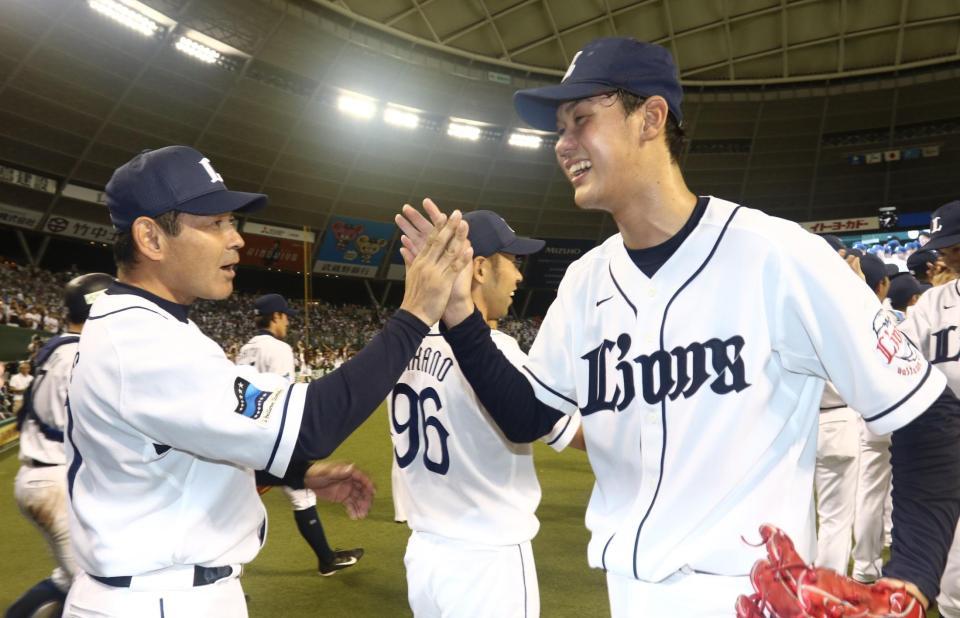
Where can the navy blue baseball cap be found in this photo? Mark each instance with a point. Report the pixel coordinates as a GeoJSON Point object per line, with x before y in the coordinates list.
{"type": "Point", "coordinates": [945, 226]}
{"type": "Point", "coordinates": [172, 178]}
{"type": "Point", "coordinates": [490, 234]}
{"type": "Point", "coordinates": [903, 287]}
{"type": "Point", "coordinates": [273, 303]}
{"type": "Point", "coordinates": [605, 65]}
{"type": "Point", "coordinates": [918, 262]}
{"type": "Point", "coordinates": [874, 270]}
{"type": "Point", "coordinates": [834, 241]}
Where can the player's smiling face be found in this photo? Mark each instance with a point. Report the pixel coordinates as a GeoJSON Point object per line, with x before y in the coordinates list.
{"type": "Point", "coordinates": [202, 257]}
{"type": "Point", "coordinates": [498, 288]}
{"type": "Point", "coordinates": [598, 150]}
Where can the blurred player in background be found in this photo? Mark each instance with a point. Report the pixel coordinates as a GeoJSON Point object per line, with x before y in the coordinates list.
{"type": "Point", "coordinates": [268, 352]}
{"type": "Point", "coordinates": [468, 493]}
{"type": "Point", "coordinates": [41, 485]}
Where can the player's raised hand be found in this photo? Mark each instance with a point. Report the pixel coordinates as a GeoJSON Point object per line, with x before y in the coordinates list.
{"type": "Point", "coordinates": [460, 305]}
{"type": "Point", "coordinates": [445, 252]}
{"type": "Point", "coordinates": [341, 482]}
{"type": "Point", "coordinates": [416, 228]}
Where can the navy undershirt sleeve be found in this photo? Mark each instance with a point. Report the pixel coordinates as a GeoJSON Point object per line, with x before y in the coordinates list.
{"type": "Point", "coordinates": [293, 478]}
{"type": "Point", "coordinates": [502, 389]}
{"type": "Point", "coordinates": [925, 456]}
{"type": "Point", "coordinates": [340, 401]}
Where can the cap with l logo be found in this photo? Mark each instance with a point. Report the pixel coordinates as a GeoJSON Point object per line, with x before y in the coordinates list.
{"type": "Point", "coordinates": [945, 226]}
{"type": "Point", "coordinates": [172, 178]}
{"type": "Point", "coordinates": [605, 65]}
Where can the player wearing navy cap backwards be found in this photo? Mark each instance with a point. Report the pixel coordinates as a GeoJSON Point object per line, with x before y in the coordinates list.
{"type": "Point", "coordinates": [695, 343]}
{"type": "Point", "coordinates": [469, 494]}
{"type": "Point", "coordinates": [267, 352]}
{"type": "Point", "coordinates": [164, 432]}
{"type": "Point", "coordinates": [932, 324]}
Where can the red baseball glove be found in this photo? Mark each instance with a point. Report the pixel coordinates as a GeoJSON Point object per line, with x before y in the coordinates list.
{"type": "Point", "coordinates": [786, 587]}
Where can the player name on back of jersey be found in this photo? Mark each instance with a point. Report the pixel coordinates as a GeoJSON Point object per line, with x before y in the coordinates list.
{"type": "Point", "coordinates": [431, 361]}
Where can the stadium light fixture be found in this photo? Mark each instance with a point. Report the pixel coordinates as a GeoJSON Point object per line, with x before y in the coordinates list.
{"type": "Point", "coordinates": [357, 105]}
{"type": "Point", "coordinates": [525, 140]}
{"type": "Point", "coordinates": [400, 116]}
{"type": "Point", "coordinates": [460, 130]}
{"type": "Point", "coordinates": [125, 15]}
{"type": "Point", "coordinates": [197, 50]}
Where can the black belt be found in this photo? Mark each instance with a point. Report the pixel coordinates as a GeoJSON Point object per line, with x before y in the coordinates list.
{"type": "Point", "coordinates": [42, 464]}
{"type": "Point", "coordinates": [202, 576]}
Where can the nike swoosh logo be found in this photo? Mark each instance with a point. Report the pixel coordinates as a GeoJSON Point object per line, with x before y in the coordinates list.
{"type": "Point", "coordinates": [600, 302]}
{"type": "Point", "coordinates": [950, 307]}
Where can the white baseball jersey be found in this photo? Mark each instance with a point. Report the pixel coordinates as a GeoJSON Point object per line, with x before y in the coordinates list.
{"type": "Point", "coordinates": [18, 384]}
{"type": "Point", "coordinates": [700, 387]}
{"type": "Point", "coordinates": [461, 477]}
{"type": "Point", "coordinates": [49, 395]}
{"type": "Point", "coordinates": [267, 354]}
{"type": "Point", "coordinates": [933, 324]}
{"type": "Point", "coordinates": [164, 435]}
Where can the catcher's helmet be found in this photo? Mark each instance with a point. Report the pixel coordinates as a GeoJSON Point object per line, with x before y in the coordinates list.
{"type": "Point", "coordinates": [80, 293]}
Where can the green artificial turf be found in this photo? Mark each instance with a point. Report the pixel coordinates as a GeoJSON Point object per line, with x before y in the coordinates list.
{"type": "Point", "coordinates": [283, 580]}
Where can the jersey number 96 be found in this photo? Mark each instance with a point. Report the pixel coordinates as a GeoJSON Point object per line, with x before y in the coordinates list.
{"type": "Point", "coordinates": [417, 404]}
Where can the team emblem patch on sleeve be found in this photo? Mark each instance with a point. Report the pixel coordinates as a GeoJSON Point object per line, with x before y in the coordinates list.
{"type": "Point", "coordinates": [895, 349]}
{"type": "Point", "coordinates": [251, 401]}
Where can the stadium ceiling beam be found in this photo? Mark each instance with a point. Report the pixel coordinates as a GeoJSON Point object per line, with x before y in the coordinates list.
{"type": "Point", "coordinates": [556, 32]}
{"type": "Point", "coordinates": [726, 30]}
{"type": "Point", "coordinates": [671, 32]}
{"type": "Point", "coordinates": [433, 33]}
{"type": "Point", "coordinates": [418, 7]}
{"type": "Point", "coordinates": [609, 15]}
{"type": "Point", "coordinates": [784, 37]}
{"type": "Point", "coordinates": [479, 24]}
{"type": "Point", "coordinates": [834, 38]}
{"type": "Point", "coordinates": [901, 34]}
{"type": "Point", "coordinates": [496, 31]}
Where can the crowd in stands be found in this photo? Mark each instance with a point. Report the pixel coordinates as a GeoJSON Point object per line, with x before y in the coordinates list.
{"type": "Point", "coordinates": [323, 337]}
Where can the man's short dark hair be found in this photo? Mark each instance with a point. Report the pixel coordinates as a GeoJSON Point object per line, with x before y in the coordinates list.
{"type": "Point", "coordinates": [263, 321]}
{"type": "Point", "coordinates": [676, 135]}
{"type": "Point", "coordinates": [124, 249]}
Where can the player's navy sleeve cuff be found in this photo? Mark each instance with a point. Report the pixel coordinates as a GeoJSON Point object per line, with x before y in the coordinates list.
{"type": "Point", "coordinates": [340, 401]}
{"type": "Point", "coordinates": [502, 389]}
{"type": "Point", "coordinates": [926, 494]}
{"type": "Point", "coordinates": [293, 478]}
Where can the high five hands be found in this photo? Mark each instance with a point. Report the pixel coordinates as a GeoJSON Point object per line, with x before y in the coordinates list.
{"type": "Point", "coordinates": [420, 237]}
{"type": "Point", "coordinates": [435, 252]}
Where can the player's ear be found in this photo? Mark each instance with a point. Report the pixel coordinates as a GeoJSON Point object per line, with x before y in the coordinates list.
{"type": "Point", "coordinates": [147, 238]}
{"type": "Point", "coordinates": [481, 268]}
{"type": "Point", "coordinates": [654, 113]}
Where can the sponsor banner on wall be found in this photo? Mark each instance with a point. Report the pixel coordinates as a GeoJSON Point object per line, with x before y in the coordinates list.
{"type": "Point", "coordinates": [270, 252]}
{"type": "Point", "coordinates": [397, 271]}
{"type": "Point", "coordinates": [546, 268]}
{"type": "Point", "coordinates": [84, 194]}
{"type": "Point", "coordinates": [353, 247]}
{"type": "Point", "coordinates": [77, 228]}
{"type": "Point", "coordinates": [833, 226]}
{"type": "Point", "coordinates": [8, 433]}
{"type": "Point", "coordinates": [276, 231]}
{"type": "Point", "coordinates": [13, 176]}
{"type": "Point", "coordinates": [19, 217]}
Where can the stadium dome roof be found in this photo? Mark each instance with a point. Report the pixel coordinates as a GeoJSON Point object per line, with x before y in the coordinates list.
{"type": "Point", "coordinates": [714, 41]}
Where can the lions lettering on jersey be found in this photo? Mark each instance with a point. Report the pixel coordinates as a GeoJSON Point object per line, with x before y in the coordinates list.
{"type": "Point", "coordinates": [682, 371]}
{"type": "Point", "coordinates": [701, 426]}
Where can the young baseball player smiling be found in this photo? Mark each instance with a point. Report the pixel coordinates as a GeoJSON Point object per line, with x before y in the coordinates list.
{"type": "Point", "coordinates": [696, 343]}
